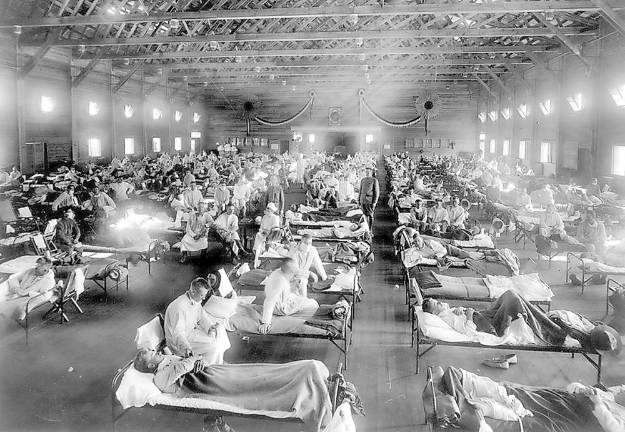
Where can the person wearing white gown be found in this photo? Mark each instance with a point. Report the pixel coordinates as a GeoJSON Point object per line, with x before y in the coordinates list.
{"type": "Point", "coordinates": [269, 221]}
{"type": "Point", "coordinates": [195, 238]}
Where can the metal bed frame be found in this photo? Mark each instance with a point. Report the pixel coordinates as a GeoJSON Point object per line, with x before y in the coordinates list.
{"type": "Point", "coordinates": [611, 286]}
{"type": "Point", "coordinates": [421, 339]}
{"type": "Point", "coordinates": [587, 275]}
{"type": "Point", "coordinates": [210, 416]}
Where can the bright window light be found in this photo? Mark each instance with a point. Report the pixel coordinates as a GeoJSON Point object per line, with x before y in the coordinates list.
{"type": "Point", "coordinates": [157, 114]}
{"type": "Point", "coordinates": [177, 143]}
{"type": "Point", "coordinates": [482, 136]}
{"type": "Point", "coordinates": [576, 102]}
{"type": "Point", "coordinates": [196, 134]}
{"type": "Point", "coordinates": [522, 149]}
{"type": "Point", "coordinates": [129, 111]}
{"type": "Point", "coordinates": [618, 160]}
{"type": "Point", "coordinates": [129, 145]}
{"type": "Point", "coordinates": [493, 146]}
{"type": "Point", "coordinates": [47, 104]}
{"type": "Point", "coordinates": [505, 150]}
{"type": "Point", "coordinates": [618, 95]}
{"type": "Point", "coordinates": [178, 116]}
{"type": "Point", "coordinates": [523, 110]}
{"type": "Point", "coordinates": [156, 144]}
{"type": "Point", "coordinates": [94, 109]}
{"type": "Point", "coordinates": [368, 138]}
{"type": "Point", "coordinates": [506, 113]}
{"type": "Point", "coordinates": [545, 152]}
{"type": "Point", "coordinates": [546, 107]}
{"type": "Point", "coordinates": [192, 146]}
{"type": "Point", "coordinates": [196, 117]}
{"type": "Point", "coordinates": [482, 117]}
{"type": "Point", "coordinates": [493, 115]}
{"type": "Point", "coordinates": [95, 147]}
{"type": "Point", "coordinates": [311, 138]}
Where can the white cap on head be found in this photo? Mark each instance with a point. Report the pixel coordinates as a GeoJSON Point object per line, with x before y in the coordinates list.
{"type": "Point", "coordinates": [271, 206]}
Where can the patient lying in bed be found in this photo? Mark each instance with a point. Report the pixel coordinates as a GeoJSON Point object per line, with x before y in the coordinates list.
{"type": "Point", "coordinates": [474, 403]}
{"type": "Point", "coordinates": [551, 328]}
{"type": "Point", "coordinates": [299, 387]}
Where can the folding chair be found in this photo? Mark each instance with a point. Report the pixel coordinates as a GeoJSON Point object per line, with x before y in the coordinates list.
{"type": "Point", "coordinates": [42, 248]}
{"type": "Point", "coordinates": [67, 294]}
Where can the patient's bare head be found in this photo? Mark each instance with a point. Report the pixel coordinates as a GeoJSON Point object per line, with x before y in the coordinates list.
{"type": "Point", "coordinates": [147, 360]}
{"type": "Point", "coordinates": [43, 266]}
{"type": "Point", "coordinates": [289, 267]}
{"type": "Point", "coordinates": [434, 306]}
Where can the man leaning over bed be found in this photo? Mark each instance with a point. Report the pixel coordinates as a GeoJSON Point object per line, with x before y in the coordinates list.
{"type": "Point", "coordinates": [279, 299]}
{"type": "Point", "coordinates": [189, 330]}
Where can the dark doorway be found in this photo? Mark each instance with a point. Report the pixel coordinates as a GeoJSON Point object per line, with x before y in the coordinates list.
{"type": "Point", "coordinates": [342, 142]}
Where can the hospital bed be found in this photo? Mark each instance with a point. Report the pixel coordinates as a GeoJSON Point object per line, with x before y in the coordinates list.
{"type": "Point", "coordinates": [428, 329]}
{"type": "Point", "coordinates": [551, 409]}
{"type": "Point", "coordinates": [132, 389]}
{"type": "Point", "coordinates": [589, 268]}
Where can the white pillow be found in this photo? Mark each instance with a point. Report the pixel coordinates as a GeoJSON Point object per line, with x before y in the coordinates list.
{"type": "Point", "coordinates": [225, 287]}
{"type": "Point", "coordinates": [220, 307]}
{"type": "Point", "coordinates": [150, 335]}
{"type": "Point", "coordinates": [136, 388]}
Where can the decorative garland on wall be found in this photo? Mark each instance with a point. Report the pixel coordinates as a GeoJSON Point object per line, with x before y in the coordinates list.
{"type": "Point", "coordinates": [363, 102]}
{"type": "Point", "coordinates": [262, 121]}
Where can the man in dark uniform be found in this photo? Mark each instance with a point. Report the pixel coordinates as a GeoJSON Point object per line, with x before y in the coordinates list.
{"type": "Point", "coordinates": [368, 196]}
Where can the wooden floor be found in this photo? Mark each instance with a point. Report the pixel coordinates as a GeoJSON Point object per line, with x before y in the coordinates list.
{"type": "Point", "coordinates": [61, 380]}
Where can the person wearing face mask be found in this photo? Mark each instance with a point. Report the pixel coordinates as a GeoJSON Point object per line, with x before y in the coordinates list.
{"type": "Point", "coordinates": [190, 331]}
{"type": "Point", "coordinates": [32, 288]}
{"type": "Point", "coordinates": [307, 258]}
{"type": "Point", "coordinates": [67, 234]}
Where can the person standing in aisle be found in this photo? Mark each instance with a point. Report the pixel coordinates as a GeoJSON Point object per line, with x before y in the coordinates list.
{"type": "Point", "coordinates": [368, 196]}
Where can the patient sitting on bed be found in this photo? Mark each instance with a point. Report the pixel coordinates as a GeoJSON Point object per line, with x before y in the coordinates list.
{"type": "Point", "coordinates": [551, 328]}
{"type": "Point", "coordinates": [35, 283]}
{"type": "Point", "coordinates": [308, 262]}
{"type": "Point", "coordinates": [432, 249]}
{"type": "Point", "coordinates": [279, 299]}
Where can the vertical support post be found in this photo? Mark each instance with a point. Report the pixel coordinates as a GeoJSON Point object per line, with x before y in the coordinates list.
{"type": "Point", "coordinates": [113, 114]}
{"type": "Point", "coordinates": [144, 114]}
{"type": "Point", "coordinates": [19, 96]}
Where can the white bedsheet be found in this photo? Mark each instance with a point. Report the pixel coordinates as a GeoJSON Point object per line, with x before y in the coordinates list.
{"type": "Point", "coordinates": [528, 286]}
{"type": "Point", "coordinates": [19, 264]}
{"type": "Point", "coordinates": [518, 333]}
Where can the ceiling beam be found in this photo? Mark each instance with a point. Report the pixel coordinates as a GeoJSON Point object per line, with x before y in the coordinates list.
{"type": "Point", "coordinates": [40, 53]}
{"type": "Point", "coordinates": [83, 73]}
{"type": "Point", "coordinates": [612, 16]}
{"type": "Point", "coordinates": [514, 7]}
{"type": "Point", "coordinates": [306, 52]}
{"type": "Point", "coordinates": [498, 80]}
{"type": "Point", "coordinates": [483, 84]}
{"type": "Point", "coordinates": [541, 64]}
{"type": "Point", "coordinates": [126, 77]}
{"type": "Point", "coordinates": [326, 35]}
{"type": "Point", "coordinates": [567, 41]}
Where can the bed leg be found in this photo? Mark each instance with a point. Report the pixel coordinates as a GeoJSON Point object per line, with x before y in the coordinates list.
{"type": "Point", "coordinates": [583, 278]}
{"type": "Point", "coordinates": [418, 354]}
{"type": "Point", "coordinates": [599, 357]}
{"type": "Point", "coordinates": [566, 275]}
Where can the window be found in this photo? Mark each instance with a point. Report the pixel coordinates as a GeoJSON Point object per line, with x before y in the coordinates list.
{"type": "Point", "coordinates": [482, 136]}
{"type": "Point", "coordinates": [546, 107]}
{"type": "Point", "coordinates": [196, 134]}
{"type": "Point", "coordinates": [129, 145]}
{"type": "Point", "coordinates": [368, 138]}
{"type": "Point", "coordinates": [95, 148]}
{"type": "Point", "coordinates": [618, 160]}
{"type": "Point", "coordinates": [94, 109]}
{"type": "Point", "coordinates": [47, 104]}
{"type": "Point", "coordinates": [482, 117]}
{"type": "Point", "coordinates": [618, 95]}
{"type": "Point", "coordinates": [129, 111]}
{"type": "Point", "coordinates": [505, 150]}
{"type": "Point", "coordinates": [576, 102]}
{"type": "Point", "coordinates": [193, 146]}
{"type": "Point", "coordinates": [311, 138]}
{"type": "Point", "coordinates": [506, 114]}
{"type": "Point", "coordinates": [493, 146]}
{"type": "Point", "coordinates": [545, 152]}
{"type": "Point", "coordinates": [156, 144]}
{"type": "Point", "coordinates": [178, 116]}
{"type": "Point", "coordinates": [523, 110]}
{"type": "Point", "coordinates": [157, 114]}
{"type": "Point", "coordinates": [196, 117]}
{"type": "Point", "coordinates": [522, 149]}
{"type": "Point", "coordinates": [493, 116]}
{"type": "Point", "coordinates": [177, 143]}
